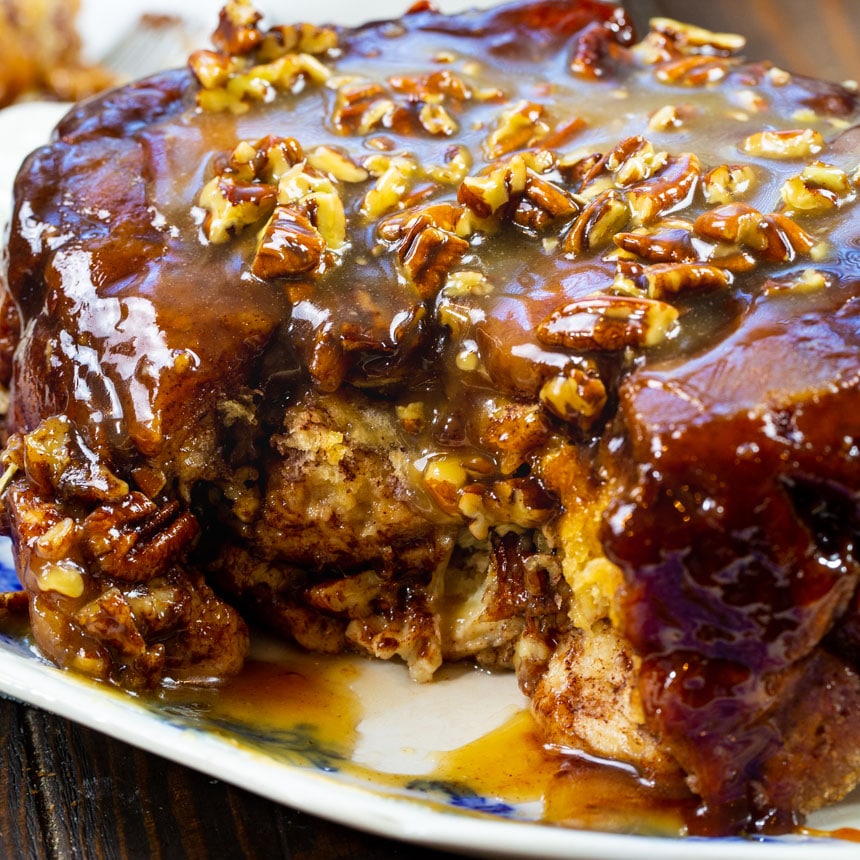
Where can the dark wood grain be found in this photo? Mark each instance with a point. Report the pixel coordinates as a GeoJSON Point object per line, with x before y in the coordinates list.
{"type": "Point", "coordinates": [69, 792]}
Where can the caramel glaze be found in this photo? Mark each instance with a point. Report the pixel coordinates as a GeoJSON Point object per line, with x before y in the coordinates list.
{"type": "Point", "coordinates": [736, 440]}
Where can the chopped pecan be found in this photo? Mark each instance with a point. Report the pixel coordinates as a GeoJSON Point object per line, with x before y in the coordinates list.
{"type": "Point", "coordinates": [488, 193]}
{"type": "Point", "coordinates": [773, 237]}
{"type": "Point", "coordinates": [394, 176]}
{"type": "Point", "coordinates": [237, 32]}
{"type": "Point", "coordinates": [445, 216]}
{"type": "Point", "coordinates": [818, 188]}
{"type": "Point", "coordinates": [807, 281]}
{"type": "Point", "coordinates": [598, 45]}
{"type": "Point", "coordinates": [428, 253]}
{"type": "Point", "coordinates": [663, 280]}
{"type": "Point", "coordinates": [433, 84]}
{"type": "Point", "coordinates": [110, 620]}
{"type": "Point", "coordinates": [784, 238]}
{"type": "Point", "coordinates": [58, 463]}
{"type": "Point", "coordinates": [256, 83]}
{"type": "Point", "coordinates": [232, 205]}
{"type": "Point", "coordinates": [444, 477]}
{"type": "Point", "coordinates": [519, 502]}
{"type": "Point", "coordinates": [511, 430]}
{"type": "Point", "coordinates": [792, 143]}
{"type": "Point", "coordinates": [666, 118]}
{"type": "Point", "coordinates": [134, 540]}
{"type": "Point", "coordinates": [724, 184]}
{"type": "Point", "coordinates": [632, 160]}
{"type": "Point", "coordinates": [694, 71]}
{"type": "Point", "coordinates": [597, 223]}
{"type": "Point", "coordinates": [519, 127]}
{"type": "Point", "coordinates": [670, 189]}
{"type": "Point", "coordinates": [328, 362]}
{"type": "Point", "coordinates": [688, 38]}
{"type": "Point", "coordinates": [542, 203]}
{"type": "Point", "coordinates": [290, 246]}
{"type": "Point", "coordinates": [578, 170]}
{"type": "Point", "coordinates": [577, 397]}
{"type": "Point", "coordinates": [211, 68]}
{"type": "Point", "coordinates": [57, 540]}
{"type": "Point", "coordinates": [301, 38]}
{"type": "Point", "coordinates": [458, 162]}
{"type": "Point", "coordinates": [318, 198]}
{"type": "Point", "coordinates": [436, 119]}
{"type": "Point", "coordinates": [336, 164]}
{"type": "Point", "coordinates": [62, 576]}
{"type": "Point", "coordinates": [608, 323]}
{"type": "Point", "coordinates": [674, 245]}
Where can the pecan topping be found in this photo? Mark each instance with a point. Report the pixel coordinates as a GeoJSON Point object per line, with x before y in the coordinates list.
{"type": "Point", "coordinates": [601, 219]}
{"type": "Point", "coordinates": [689, 38]}
{"type": "Point", "coordinates": [134, 540]}
{"type": "Point", "coordinates": [670, 189]}
{"type": "Point", "coordinates": [249, 65]}
{"type": "Point", "coordinates": [290, 246]}
{"type": "Point", "coordinates": [773, 237]}
{"type": "Point", "coordinates": [695, 71]}
{"type": "Point", "coordinates": [519, 127]}
{"type": "Point", "coordinates": [608, 323]}
{"type": "Point", "coordinates": [818, 188]}
{"type": "Point", "coordinates": [664, 246]}
{"type": "Point", "coordinates": [519, 502]}
{"type": "Point", "coordinates": [427, 253]}
{"type": "Point", "coordinates": [795, 143]}
{"type": "Point", "coordinates": [577, 397]}
{"type": "Point", "coordinates": [664, 280]}
{"type": "Point", "coordinates": [728, 182]}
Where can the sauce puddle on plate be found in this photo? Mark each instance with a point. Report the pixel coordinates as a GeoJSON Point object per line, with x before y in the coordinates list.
{"type": "Point", "coordinates": [307, 703]}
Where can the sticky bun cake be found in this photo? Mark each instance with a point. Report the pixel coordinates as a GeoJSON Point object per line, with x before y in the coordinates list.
{"type": "Point", "coordinates": [501, 337]}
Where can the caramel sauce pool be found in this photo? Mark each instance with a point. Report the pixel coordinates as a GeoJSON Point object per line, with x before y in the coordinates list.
{"type": "Point", "coordinates": [312, 696]}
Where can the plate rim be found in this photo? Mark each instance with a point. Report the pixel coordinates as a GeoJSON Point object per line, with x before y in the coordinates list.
{"type": "Point", "coordinates": [373, 809]}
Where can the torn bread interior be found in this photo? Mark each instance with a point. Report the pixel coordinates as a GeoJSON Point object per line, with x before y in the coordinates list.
{"type": "Point", "coordinates": [500, 337]}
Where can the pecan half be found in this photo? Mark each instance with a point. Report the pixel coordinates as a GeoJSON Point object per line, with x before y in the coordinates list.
{"type": "Point", "coordinates": [608, 323]}
{"type": "Point", "coordinates": [664, 280]}
{"type": "Point", "coordinates": [792, 143]}
{"type": "Point", "coordinates": [670, 189]}
{"type": "Point", "coordinates": [597, 223]}
{"type": "Point", "coordinates": [134, 540]}
{"type": "Point", "coordinates": [427, 254]}
{"type": "Point", "coordinates": [773, 237]}
{"type": "Point", "coordinates": [290, 246]}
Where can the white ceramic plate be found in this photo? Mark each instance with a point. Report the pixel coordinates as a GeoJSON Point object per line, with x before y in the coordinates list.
{"type": "Point", "coordinates": [405, 728]}
{"type": "Point", "coordinates": [404, 738]}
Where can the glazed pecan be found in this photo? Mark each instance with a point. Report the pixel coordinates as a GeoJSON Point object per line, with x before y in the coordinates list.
{"type": "Point", "coordinates": [134, 540]}
{"type": "Point", "coordinates": [773, 237]}
{"type": "Point", "coordinates": [427, 254]}
{"type": "Point", "coordinates": [671, 188]}
{"type": "Point", "coordinates": [577, 397]}
{"type": "Point", "coordinates": [608, 323]}
{"type": "Point", "coordinates": [290, 246]}
{"type": "Point", "coordinates": [792, 143]}
{"type": "Point", "coordinates": [597, 223]}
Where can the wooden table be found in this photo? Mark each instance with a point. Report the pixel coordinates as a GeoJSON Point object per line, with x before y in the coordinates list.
{"type": "Point", "coordinates": [69, 792]}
